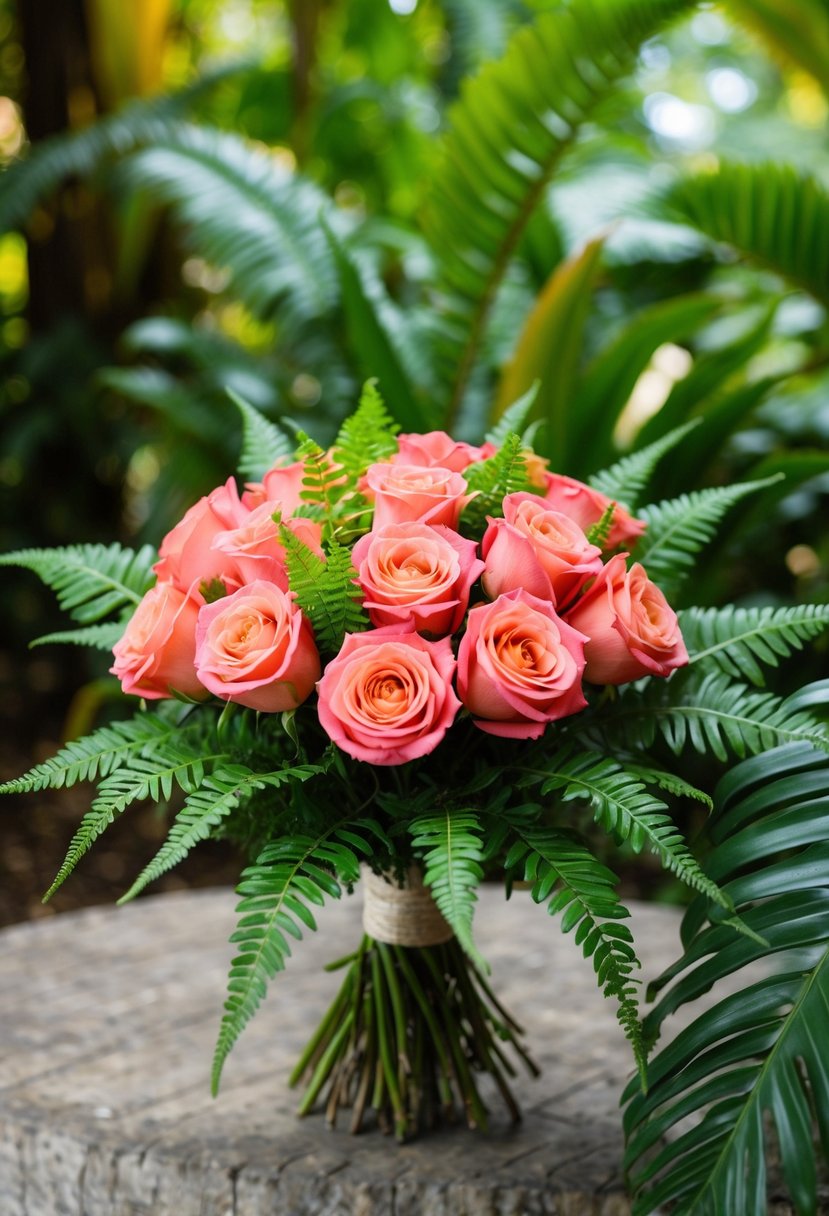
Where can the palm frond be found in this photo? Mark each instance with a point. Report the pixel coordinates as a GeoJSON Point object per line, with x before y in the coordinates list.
{"type": "Point", "coordinates": [210, 800]}
{"type": "Point", "coordinates": [276, 892]}
{"type": "Point", "coordinates": [679, 527]}
{"type": "Point", "coordinates": [772, 213]}
{"type": "Point", "coordinates": [567, 877]}
{"type": "Point", "coordinates": [451, 849]}
{"type": "Point", "coordinates": [754, 1064]}
{"type": "Point", "coordinates": [90, 581]}
{"type": "Point", "coordinates": [509, 130]}
{"type": "Point", "coordinates": [244, 214]}
{"type": "Point", "coordinates": [738, 640]}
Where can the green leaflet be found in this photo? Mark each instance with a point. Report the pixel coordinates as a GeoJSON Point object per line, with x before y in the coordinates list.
{"type": "Point", "coordinates": [491, 480]}
{"type": "Point", "coordinates": [366, 437]}
{"type": "Point", "coordinates": [625, 480]}
{"type": "Point", "coordinates": [451, 849]}
{"type": "Point", "coordinates": [263, 443]}
{"type": "Point", "coordinates": [90, 581]}
{"type": "Point", "coordinates": [738, 640]}
{"type": "Point", "coordinates": [698, 1139]}
{"type": "Point", "coordinates": [325, 590]}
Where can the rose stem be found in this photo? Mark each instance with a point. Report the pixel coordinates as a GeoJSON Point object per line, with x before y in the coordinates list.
{"type": "Point", "coordinates": [445, 1071]}
{"type": "Point", "coordinates": [322, 1031]}
{"type": "Point", "coordinates": [368, 1063]}
{"type": "Point", "coordinates": [324, 1066]}
{"type": "Point", "coordinates": [386, 1055]}
{"type": "Point", "coordinates": [475, 1109]}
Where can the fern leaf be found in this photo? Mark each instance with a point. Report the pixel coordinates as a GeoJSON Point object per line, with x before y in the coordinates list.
{"type": "Point", "coordinates": [216, 797]}
{"type": "Point", "coordinates": [737, 640]}
{"type": "Point", "coordinates": [98, 754]}
{"type": "Point", "coordinates": [711, 714]}
{"type": "Point", "coordinates": [514, 418]}
{"type": "Point", "coordinates": [622, 805]}
{"type": "Point", "coordinates": [625, 480]}
{"type": "Point", "coordinates": [450, 845]}
{"type": "Point", "coordinates": [680, 527]}
{"type": "Point", "coordinates": [670, 782]}
{"type": "Point", "coordinates": [513, 123]}
{"type": "Point", "coordinates": [90, 581]}
{"type": "Point", "coordinates": [366, 437]}
{"type": "Point", "coordinates": [325, 590]}
{"type": "Point", "coordinates": [276, 891]}
{"type": "Point", "coordinates": [151, 776]}
{"type": "Point", "coordinates": [567, 877]}
{"type": "Point", "coordinates": [263, 444]}
{"type": "Point", "coordinates": [100, 637]}
{"type": "Point", "coordinates": [491, 480]}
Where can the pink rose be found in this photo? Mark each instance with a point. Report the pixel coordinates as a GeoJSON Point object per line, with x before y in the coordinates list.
{"type": "Point", "coordinates": [539, 549]}
{"type": "Point", "coordinates": [419, 572]}
{"type": "Point", "coordinates": [255, 550]}
{"type": "Point", "coordinates": [520, 666]}
{"type": "Point", "coordinates": [404, 493]}
{"type": "Point", "coordinates": [282, 484]}
{"type": "Point", "coordinates": [256, 648]}
{"type": "Point", "coordinates": [185, 556]}
{"type": "Point", "coordinates": [387, 697]}
{"type": "Point", "coordinates": [155, 657]}
{"type": "Point", "coordinates": [437, 449]}
{"type": "Point", "coordinates": [586, 506]}
{"type": "Point", "coordinates": [632, 628]}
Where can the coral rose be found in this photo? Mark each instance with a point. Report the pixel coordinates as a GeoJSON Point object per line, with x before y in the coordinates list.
{"type": "Point", "coordinates": [520, 666]}
{"type": "Point", "coordinates": [632, 628]}
{"type": "Point", "coordinates": [586, 506]}
{"type": "Point", "coordinates": [539, 549]}
{"type": "Point", "coordinates": [256, 648]}
{"type": "Point", "coordinates": [255, 550]}
{"type": "Point", "coordinates": [419, 572]}
{"type": "Point", "coordinates": [437, 449]}
{"type": "Point", "coordinates": [281, 485]}
{"type": "Point", "coordinates": [404, 493]}
{"type": "Point", "coordinates": [186, 557]}
{"type": "Point", "coordinates": [387, 697]}
{"type": "Point", "coordinates": [155, 656]}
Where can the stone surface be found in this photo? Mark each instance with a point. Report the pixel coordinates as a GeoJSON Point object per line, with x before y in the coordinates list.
{"type": "Point", "coordinates": [107, 1024]}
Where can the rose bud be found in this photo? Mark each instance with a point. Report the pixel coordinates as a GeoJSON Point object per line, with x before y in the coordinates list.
{"type": "Point", "coordinates": [520, 666]}
{"type": "Point", "coordinates": [256, 648]}
{"type": "Point", "coordinates": [539, 549]}
{"type": "Point", "coordinates": [186, 557]}
{"type": "Point", "coordinates": [404, 493]}
{"type": "Point", "coordinates": [155, 656]}
{"type": "Point", "coordinates": [437, 449]}
{"type": "Point", "coordinates": [387, 697]}
{"type": "Point", "coordinates": [632, 628]}
{"type": "Point", "coordinates": [419, 572]}
{"type": "Point", "coordinates": [586, 506]}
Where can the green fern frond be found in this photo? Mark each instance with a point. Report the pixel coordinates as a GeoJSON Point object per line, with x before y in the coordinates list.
{"type": "Point", "coordinates": [100, 637]}
{"type": "Point", "coordinates": [625, 480]}
{"type": "Point", "coordinates": [209, 801]}
{"type": "Point", "coordinates": [623, 806]}
{"type": "Point", "coordinates": [670, 782]}
{"type": "Point", "coordinates": [276, 892]}
{"type": "Point", "coordinates": [506, 135]}
{"type": "Point", "coordinates": [451, 849]}
{"type": "Point", "coordinates": [599, 532]}
{"type": "Point", "coordinates": [366, 437]}
{"type": "Point", "coordinates": [712, 714]}
{"type": "Point", "coordinates": [491, 480]}
{"type": "Point", "coordinates": [98, 754]}
{"type": "Point", "coordinates": [152, 775]}
{"type": "Point", "coordinates": [321, 477]}
{"type": "Point", "coordinates": [737, 640]}
{"type": "Point", "coordinates": [514, 418]}
{"type": "Point", "coordinates": [263, 443]}
{"type": "Point", "coordinates": [567, 877]}
{"type": "Point", "coordinates": [679, 527]}
{"type": "Point", "coordinates": [325, 590]}
{"type": "Point", "coordinates": [90, 581]}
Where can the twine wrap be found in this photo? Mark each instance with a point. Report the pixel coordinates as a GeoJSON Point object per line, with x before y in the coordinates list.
{"type": "Point", "coordinates": [402, 916]}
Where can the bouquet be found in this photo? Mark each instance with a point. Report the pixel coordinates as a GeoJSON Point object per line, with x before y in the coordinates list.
{"type": "Point", "coordinates": [426, 661]}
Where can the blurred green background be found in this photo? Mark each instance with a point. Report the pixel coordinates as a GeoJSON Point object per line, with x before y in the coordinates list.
{"type": "Point", "coordinates": [287, 198]}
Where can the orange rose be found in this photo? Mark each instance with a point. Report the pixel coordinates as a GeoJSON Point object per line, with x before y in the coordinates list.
{"type": "Point", "coordinates": [404, 493]}
{"type": "Point", "coordinates": [586, 506]}
{"type": "Point", "coordinates": [632, 628]}
{"type": "Point", "coordinates": [156, 654]}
